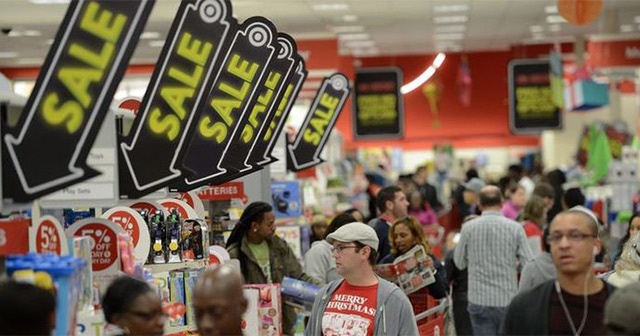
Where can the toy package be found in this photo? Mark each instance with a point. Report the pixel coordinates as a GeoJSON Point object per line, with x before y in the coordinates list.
{"type": "Point", "coordinates": [193, 240]}
{"type": "Point", "coordinates": [176, 290]}
{"type": "Point", "coordinates": [190, 279]}
{"type": "Point", "coordinates": [173, 236]}
{"type": "Point", "coordinates": [157, 230]}
{"type": "Point", "coordinates": [269, 309]}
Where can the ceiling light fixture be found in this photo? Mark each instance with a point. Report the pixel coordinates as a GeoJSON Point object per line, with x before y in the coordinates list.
{"type": "Point", "coordinates": [354, 37]}
{"type": "Point", "coordinates": [330, 7]}
{"type": "Point", "coordinates": [360, 44]}
{"type": "Point", "coordinates": [156, 43]}
{"type": "Point", "coordinates": [150, 35]}
{"type": "Point", "coordinates": [430, 71]}
{"type": "Point", "coordinates": [536, 29]}
{"type": "Point", "coordinates": [551, 9]}
{"type": "Point", "coordinates": [451, 19]}
{"type": "Point", "coordinates": [32, 33]}
{"type": "Point", "coordinates": [350, 18]}
{"type": "Point", "coordinates": [555, 19]}
{"type": "Point", "coordinates": [8, 54]}
{"type": "Point", "coordinates": [50, 2]}
{"type": "Point", "coordinates": [348, 29]}
{"type": "Point", "coordinates": [449, 36]}
{"type": "Point", "coordinates": [451, 29]}
{"type": "Point", "coordinates": [450, 8]}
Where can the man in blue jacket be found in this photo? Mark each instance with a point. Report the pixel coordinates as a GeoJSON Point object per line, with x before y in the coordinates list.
{"type": "Point", "coordinates": [361, 303]}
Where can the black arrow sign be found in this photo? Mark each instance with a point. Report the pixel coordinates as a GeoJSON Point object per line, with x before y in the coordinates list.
{"type": "Point", "coordinates": [242, 144]}
{"type": "Point", "coordinates": [261, 154]}
{"type": "Point", "coordinates": [178, 89]}
{"type": "Point", "coordinates": [234, 91]}
{"type": "Point", "coordinates": [71, 97]}
{"type": "Point", "coordinates": [314, 132]}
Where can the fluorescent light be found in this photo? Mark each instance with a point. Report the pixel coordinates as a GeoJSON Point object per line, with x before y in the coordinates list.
{"type": "Point", "coordinates": [150, 35]}
{"type": "Point", "coordinates": [451, 19]}
{"type": "Point", "coordinates": [451, 29]}
{"type": "Point", "coordinates": [538, 36]}
{"type": "Point", "coordinates": [449, 36]}
{"type": "Point", "coordinates": [626, 28]}
{"type": "Point", "coordinates": [360, 44]}
{"type": "Point", "coordinates": [49, 2]}
{"type": "Point", "coordinates": [156, 43]}
{"type": "Point", "coordinates": [348, 29]}
{"type": "Point", "coordinates": [430, 71]}
{"type": "Point", "coordinates": [49, 42]}
{"type": "Point", "coordinates": [555, 27]}
{"type": "Point", "coordinates": [330, 7]}
{"type": "Point", "coordinates": [354, 37]}
{"type": "Point", "coordinates": [551, 9]}
{"type": "Point", "coordinates": [349, 18]}
{"type": "Point", "coordinates": [365, 52]}
{"type": "Point", "coordinates": [536, 29]}
{"type": "Point", "coordinates": [448, 47]}
{"type": "Point", "coordinates": [450, 8]}
{"type": "Point", "coordinates": [15, 33]}
{"type": "Point", "coordinates": [555, 19]}
{"type": "Point", "coordinates": [32, 33]}
{"type": "Point", "coordinates": [30, 61]}
{"type": "Point", "coordinates": [8, 54]}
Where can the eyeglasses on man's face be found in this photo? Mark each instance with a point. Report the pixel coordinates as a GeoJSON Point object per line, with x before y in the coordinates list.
{"type": "Point", "coordinates": [339, 248]}
{"type": "Point", "coordinates": [572, 236]}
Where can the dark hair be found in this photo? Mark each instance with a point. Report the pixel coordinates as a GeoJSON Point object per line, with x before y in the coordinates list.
{"type": "Point", "coordinates": [373, 256]}
{"type": "Point", "coordinates": [490, 197]}
{"type": "Point", "coordinates": [573, 197]}
{"type": "Point", "coordinates": [544, 190]}
{"type": "Point", "coordinates": [471, 173]}
{"type": "Point", "coordinates": [120, 294]}
{"type": "Point", "coordinates": [545, 238]}
{"type": "Point", "coordinates": [626, 237]}
{"type": "Point", "coordinates": [25, 309]}
{"type": "Point", "coordinates": [338, 221]}
{"type": "Point", "coordinates": [351, 211]}
{"type": "Point", "coordinates": [516, 168]}
{"type": "Point", "coordinates": [384, 195]}
{"type": "Point", "coordinates": [254, 212]}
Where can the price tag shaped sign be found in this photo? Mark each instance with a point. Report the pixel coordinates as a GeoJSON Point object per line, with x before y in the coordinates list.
{"type": "Point", "coordinates": [133, 223]}
{"type": "Point", "coordinates": [105, 255]}
{"type": "Point", "coordinates": [47, 236]}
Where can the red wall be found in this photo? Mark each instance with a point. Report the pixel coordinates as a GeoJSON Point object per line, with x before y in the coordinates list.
{"type": "Point", "coordinates": [484, 123]}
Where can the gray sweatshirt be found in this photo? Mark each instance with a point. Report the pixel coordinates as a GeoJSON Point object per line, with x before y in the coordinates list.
{"type": "Point", "coordinates": [537, 271]}
{"type": "Point", "coordinates": [394, 314]}
{"type": "Point", "coordinates": [319, 263]}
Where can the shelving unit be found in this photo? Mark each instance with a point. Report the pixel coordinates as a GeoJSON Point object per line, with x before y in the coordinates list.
{"type": "Point", "coordinates": [156, 268]}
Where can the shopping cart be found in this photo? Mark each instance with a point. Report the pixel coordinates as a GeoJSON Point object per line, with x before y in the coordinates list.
{"type": "Point", "coordinates": [431, 321]}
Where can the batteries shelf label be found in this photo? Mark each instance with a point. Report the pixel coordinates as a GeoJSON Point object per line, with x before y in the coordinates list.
{"type": "Point", "coordinates": [177, 91]}
{"type": "Point", "coordinates": [71, 97]}
{"type": "Point", "coordinates": [243, 72]}
{"type": "Point", "coordinates": [305, 151]}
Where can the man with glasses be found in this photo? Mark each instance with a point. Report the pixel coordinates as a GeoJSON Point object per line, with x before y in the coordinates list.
{"type": "Point", "coordinates": [572, 304]}
{"type": "Point", "coordinates": [491, 246]}
{"type": "Point", "coordinates": [393, 204]}
{"type": "Point", "coordinates": [361, 303]}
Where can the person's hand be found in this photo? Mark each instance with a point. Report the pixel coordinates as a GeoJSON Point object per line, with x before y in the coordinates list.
{"type": "Point", "coordinates": [428, 263]}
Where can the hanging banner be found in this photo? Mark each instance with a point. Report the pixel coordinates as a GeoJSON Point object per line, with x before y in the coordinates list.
{"type": "Point", "coordinates": [378, 105]}
{"type": "Point", "coordinates": [71, 97]}
{"type": "Point", "coordinates": [47, 236]}
{"type": "Point", "coordinates": [151, 158]}
{"type": "Point", "coordinates": [243, 72]}
{"type": "Point", "coordinates": [260, 156]}
{"type": "Point", "coordinates": [531, 106]}
{"type": "Point", "coordinates": [305, 151]}
{"type": "Point", "coordinates": [236, 162]}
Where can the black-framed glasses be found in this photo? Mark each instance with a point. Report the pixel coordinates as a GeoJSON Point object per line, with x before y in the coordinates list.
{"type": "Point", "coordinates": [573, 236]}
{"type": "Point", "coordinates": [338, 249]}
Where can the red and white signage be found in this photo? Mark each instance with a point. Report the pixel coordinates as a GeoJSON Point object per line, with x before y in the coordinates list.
{"type": "Point", "coordinates": [185, 211]}
{"type": "Point", "coordinates": [14, 236]}
{"type": "Point", "coordinates": [48, 236]}
{"type": "Point", "coordinates": [192, 199]}
{"type": "Point", "coordinates": [105, 255]}
{"type": "Point", "coordinates": [224, 192]}
{"type": "Point", "coordinates": [613, 53]}
{"type": "Point", "coordinates": [150, 206]}
{"type": "Point", "coordinates": [133, 223]}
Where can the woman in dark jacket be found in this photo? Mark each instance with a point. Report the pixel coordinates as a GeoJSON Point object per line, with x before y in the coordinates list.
{"type": "Point", "coordinates": [404, 234]}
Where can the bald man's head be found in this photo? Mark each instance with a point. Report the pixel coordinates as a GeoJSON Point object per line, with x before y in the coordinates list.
{"type": "Point", "coordinates": [218, 301]}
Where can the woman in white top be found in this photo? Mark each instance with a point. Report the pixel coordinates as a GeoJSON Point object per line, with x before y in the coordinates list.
{"type": "Point", "coordinates": [627, 269]}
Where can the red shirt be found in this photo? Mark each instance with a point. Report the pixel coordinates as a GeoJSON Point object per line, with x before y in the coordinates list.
{"type": "Point", "coordinates": [351, 311]}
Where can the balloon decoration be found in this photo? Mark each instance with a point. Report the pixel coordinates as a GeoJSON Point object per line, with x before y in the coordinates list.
{"type": "Point", "coordinates": [433, 91]}
{"type": "Point", "coordinates": [580, 12]}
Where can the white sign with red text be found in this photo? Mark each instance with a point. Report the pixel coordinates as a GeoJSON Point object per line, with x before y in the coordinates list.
{"type": "Point", "coordinates": [105, 255]}
{"type": "Point", "coordinates": [47, 236]}
{"type": "Point", "coordinates": [133, 223]}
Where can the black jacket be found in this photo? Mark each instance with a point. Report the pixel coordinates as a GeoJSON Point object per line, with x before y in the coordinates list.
{"type": "Point", "coordinates": [528, 312]}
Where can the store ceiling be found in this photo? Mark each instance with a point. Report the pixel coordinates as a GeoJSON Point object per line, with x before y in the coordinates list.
{"type": "Point", "coordinates": [387, 27]}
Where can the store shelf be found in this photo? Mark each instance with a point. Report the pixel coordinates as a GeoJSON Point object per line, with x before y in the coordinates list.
{"type": "Point", "coordinates": [156, 268]}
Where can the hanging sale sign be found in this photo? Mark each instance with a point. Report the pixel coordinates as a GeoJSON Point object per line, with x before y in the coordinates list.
{"type": "Point", "coordinates": [151, 158]}
{"type": "Point", "coordinates": [133, 223]}
{"type": "Point", "coordinates": [305, 151]}
{"type": "Point", "coordinates": [260, 156]}
{"type": "Point", "coordinates": [237, 162]}
{"type": "Point", "coordinates": [47, 236]}
{"type": "Point", "coordinates": [531, 106]}
{"type": "Point", "coordinates": [378, 105]}
{"type": "Point", "coordinates": [234, 92]}
{"type": "Point", "coordinates": [71, 98]}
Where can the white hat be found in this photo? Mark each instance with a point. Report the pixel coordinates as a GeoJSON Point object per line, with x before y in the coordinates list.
{"type": "Point", "coordinates": [353, 232]}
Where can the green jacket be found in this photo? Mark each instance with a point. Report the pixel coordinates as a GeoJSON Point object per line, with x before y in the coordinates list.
{"type": "Point", "coordinates": [283, 263]}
